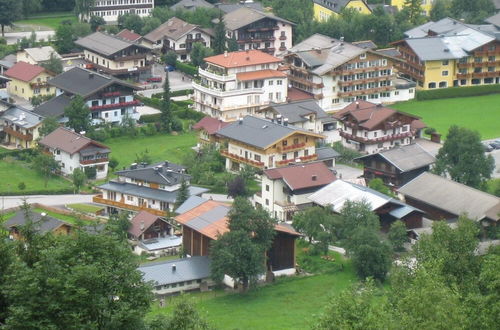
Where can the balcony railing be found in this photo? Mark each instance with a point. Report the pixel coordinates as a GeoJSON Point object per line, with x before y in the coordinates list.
{"type": "Point", "coordinates": [42, 84]}
{"type": "Point", "coordinates": [365, 80]}
{"type": "Point", "coordinates": [216, 76]}
{"type": "Point", "coordinates": [376, 140]}
{"type": "Point", "coordinates": [285, 162]}
{"type": "Point", "coordinates": [100, 200]}
{"type": "Point", "coordinates": [221, 93]}
{"type": "Point", "coordinates": [294, 146]}
{"type": "Point", "coordinates": [305, 82]}
{"type": "Point", "coordinates": [367, 91]}
{"type": "Point", "coordinates": [261, 39]}
{"type": "Point", "coordinates": [111, 94]}
{"type": "Point", "coordinates": [94, 161]}
{"type": "Point", "coordinates": [115, 105]}
{"type": "Point", "coordinates": [240, 159]}
{"type": "Point", "coordinates": [263, 28]}
{"type": "Point", "coordinates": [26, 137]}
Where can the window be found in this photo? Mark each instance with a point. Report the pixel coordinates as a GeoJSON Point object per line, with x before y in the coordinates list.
{"type": "Point", "coordinates": [491, 58]}
{"type": "Point", "coordinates": [283, 157]}
{"type": "Point", "coordinates": [271, 82]}
{"type": "Point", "coordinates": [362, 56]}
{"type": "Point", "coordinates": [182, 46]}
{"type": "Point", "coordinates": [267, 187]}
{"type": "Point", "coordinates": [306, 152]}
{"type": "Point", "coordinates": [443, 84]}
{"type": "Point", "coordinates": [279, 82]}
{"type": "Point", "coordinates": [445, 62]}
{"type": "Point", "coordinates": [278, 96]}
{"type": "Point", "coordinates": [270, 96]}
{"type": "Point", "coordinates": [296, 154]}
{"type": "Point", "coordinates": [335, 101]}
{"type": "Point", "coordinates": [106, 115]}
{"type": "Point", "coordinates": [130, 198]}
{"type": "Point", "coordinates": [491, 69]}
{"type": "Point", "coordinates": [256, 157]}
{"type": "Point", "coordinates": [432, 85]}
{"type": "Point", "coordinates": [444, 73]}
{"type": "Point", "coordinates": [478, 70]}
{"type": "Point", "coordinates": [267, 201]}
{"type": "Point", "coordinates": [285, 142]}
{"type": "Point", "coordinates": [478, 59]}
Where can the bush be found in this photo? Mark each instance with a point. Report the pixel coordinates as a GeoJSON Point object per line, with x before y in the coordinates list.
{"type": "Point", "coordinates": [176, 124]}
{"type": "Point", "coordinates": [90, 172]}
{"type": "Point", "coordinates": [174, 93]}
{"type": "Point", "coordinates": [444, 93]}
{"type": "Point", "coordinates": [22, 154]}
{"type": "Point", "coordinates": [347, 155]}
{"type": "Point", "coordinates": [62, 191]}
{"type": "Point", "coordinates": [150, 118]}
{"type": "Point", "coordinates": [186, 68]}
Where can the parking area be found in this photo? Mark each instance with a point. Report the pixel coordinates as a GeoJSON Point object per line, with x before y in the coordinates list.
{"type": "Point", "coordinates": [495, 153]}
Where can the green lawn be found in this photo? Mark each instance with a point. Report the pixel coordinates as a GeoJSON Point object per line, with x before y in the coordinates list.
{"type": "Point", "coordinates": [289, 303]}
{"type": "Point", "coordinates": [13, 172]}
{"type": "Point", "coordinates": [160, 147]}
{"type": "Point", "coordinates": [49, 20]}
{"type": "Point", "coordinates": [85, 208]}
{"type": "Point", "coordinates": [63, 217]}
{"type": "Point", "coordinates": [480, 113]}
{"type": "Point", "coordinates": [3, 150]}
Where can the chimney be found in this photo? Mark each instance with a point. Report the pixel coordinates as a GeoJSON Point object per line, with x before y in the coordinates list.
{"type": "Point", "coordinates": [278, 119]}
{"type": "Point", "coordinates": [240, 121]}
{"type": "Point", "coordinates": [357, 104]}
{"type": "Point", "coordinates": [225, 53]}
{"type": "Point", "coordinates": [43, 214]}
{"type": "Point", "coordinates": [142, 225]}
{"type": "Point", "coordinates": [82, 132]}
{"type": "Point", "coordinates": [314, 178]}
{"type": "Point", "coordinates": [285, 122]}
{"type": "Point", "coordinates": [166, 164]}
{"type": "Point", "coordinates": [174, 268]}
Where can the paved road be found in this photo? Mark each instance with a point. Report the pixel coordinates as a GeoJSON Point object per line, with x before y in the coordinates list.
{"type": "Point", "coordinates": [13, 37]}
{"type": "Point", "coordinates": [347, 172]}
{"type": "Point", "coordinates": [50, 200]}
{"type": "Point", "coordinates": [496, 156]}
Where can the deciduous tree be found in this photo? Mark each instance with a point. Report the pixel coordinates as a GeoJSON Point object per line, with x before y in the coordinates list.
{"type": "Point", "coordinates": [397, 235]}
{"type": "Point", "coordinates": [96, 22]}
{"type": "Point", "coordinates": [54, 64]}
{"type": "Point", "coordinates": [49, 124]}
{"type": "Point", "coordinates": [182, 193]}
{"type": "Point", "coordinates": [82, 8]}
{"type": "Point", "coordinates": [198, 53]}
{"type": "Point", "coordinates": [78, 114]}
{"type": "Point", "coordinates": [46, 165]}
{"type": "Point", "coordinates": [10, 11]}
{"type": "Point", "coordinates": [356, 215]}
{"type": "Point", "coordinates": [79, 179]}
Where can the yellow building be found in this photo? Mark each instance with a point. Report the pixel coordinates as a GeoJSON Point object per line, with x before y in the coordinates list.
{"type": "Point", "coordinates": [324, 9]}
{"type": "Point", "coordinates": [426, 5]}
{"type": "Point", "coordinates": [21, 127]}
{"type": "Point", "coordinates": [28, 80]}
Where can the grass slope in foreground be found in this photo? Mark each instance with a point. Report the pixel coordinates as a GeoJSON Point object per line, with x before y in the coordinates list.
{"type": "Point", "coordinates": [49, 20]}
{"type": "Point", "coordinates": [480, 113]}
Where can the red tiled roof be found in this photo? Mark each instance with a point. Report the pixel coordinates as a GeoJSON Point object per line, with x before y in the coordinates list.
{"type": "Point", "coordinates": [261, 74]}
{"type": "Point", "coordinates": [295, 94]}
{"type": "Point", "coordinates": [128, 35]}
{"type": "Point", "coordinates": [146, 219]}
{"type": "Point", "coordinates": [24, 71]}
{"type": "Point", "coordinates": [210, 125]}
{"type": "Point", "coordinates": [242, 58]}
{"type": "Point", "coordinates": [302, 176]}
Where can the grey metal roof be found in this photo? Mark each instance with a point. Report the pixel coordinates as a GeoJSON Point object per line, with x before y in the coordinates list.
{"type": "Point", "coordinates": [84, 82]}
{"type": "Point", "coordinates": [452, 196]}
{"type": "Point", "coordinates": [366, 44]}
{"type": "Point", "coordinates": [191, 5]}
{"type": "Point", "coordinates": [326, 153]}
{"type": "Point", "coordinates": [333, 5]}
{"type": "Point", "coordinates": [8, 61]}
{"type": "Point", "coordinates": [42, 54]}
{"type": "Point", "coordinates": [22, 117]}
{"type": "Point", "coordinates": [403, 83]}
{"type": "Point", "coordinates": [187, 269]}
{"type": "Point", "coordinates": [209, 217]}
{"type": "Point", "coordinates": [190, 203]}
{"type": "Point", "coordinates": [146, 192]}
{"type": "Point", "coordinates": [229, 7]}
{"type": "Point", "coordinates": [393, 52]}
{"type": "Point", "coordinates": [53, 107]}
{"type": "Point", "coordinates": [257, 132]}
{"type": "Point", "coordinates": [406, 158]}
{"type": "Point", "coordinates": [296, 112]}
{"type": "Point", "coordinates": [42, 224]}
{"type": "Point", "coordinates": [401, 212]}
{"type": "Point", "coordinates": [244, 16]}
{"type": "Point", "coordinates": [163, 173]}
{"type": "Point", "coordinates": [105, 44]}
{"type": "Point", "coordinates": [160, 243]}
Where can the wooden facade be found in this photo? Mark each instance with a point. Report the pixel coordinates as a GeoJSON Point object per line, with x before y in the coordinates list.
{"type": "Point", "coordinates": [431, 211]}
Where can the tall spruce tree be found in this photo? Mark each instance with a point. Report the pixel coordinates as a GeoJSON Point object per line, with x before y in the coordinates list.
{"type": "Point", "coordinates": [166, 112]}
{"type": "Point", "coordinates": [219, 45]}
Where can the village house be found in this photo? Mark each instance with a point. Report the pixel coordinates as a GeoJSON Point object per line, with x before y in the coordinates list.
{"type": "Point", "coordinates": [304, 114]}
{"type": "Point", "coordinates": [264, 144]}
{"type": "Point", "coordinates": [144, 187]}
{"type": "Point", "coordinates": [449, 53]}
{"type": "Point", "coordinates": [205, 222]}
{"type": "Point", "coordinates": [254, 29]}
{"type": "Point", "coordinates": [284, 190]}
{"type": "Point", "coordinates": [207, 128]}
{"type": "Point", "coordinates": [324, 9]}
{"type": "Point", "coordinates": [110, 10]}
{"type": "Point", "coordinates": [229, 7]}
{"type": "Point", "coordinates": [235, 84]}
{"type": "Point", "coordinates": [152, 234]}
{"type": "Point", "coordinates": [37, 55]}
{"type": "Point", "coordinates": [72, 150]}
{"type": "Point", "coordinates": [396, 166]}
{"type": "Point", "coordinates": [178, 36]}
{"type": "Point", "coordinates": [128, 35]}
{"type": "Point", "coordinates": [28, 80]}
{"type": "Point", "coordinates": [176, 276]}
{"type": "Point", "coordinates": [336, 72]}
{"type": "Point", "coordinates": [191, 5]}
{"type": "Point", "coordinates": [370, 128]}
{"type": "Point", "coordinates": [20, 127]}
{"type": "Point", "coordinates": [444, 199]}
{"type": "Point", "coordinates": [426, 5]}
{"type": "Point", "coordinates": [110, 100]}
{"type": "Point", "coordinates": [388, 209]}
{"type": "Point", "coordinates": [42, 224]}
{"type": "Point", "coordinates": [116, 56]}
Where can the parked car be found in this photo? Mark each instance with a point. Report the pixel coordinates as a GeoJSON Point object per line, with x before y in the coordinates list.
{"type": "Point", "coordinates": [154, 79]}
{"type": "Point", "coordinates": [488, 147]}
{"type": "Point", "coordinates": [169, 68]}
{"type": "Point", "coordinates": [495, 144]}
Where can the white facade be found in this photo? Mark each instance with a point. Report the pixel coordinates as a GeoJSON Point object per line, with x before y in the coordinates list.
{"type": "Point", "coordinates": [70, 162]}
{"type": "Point", "coordinates": [137, 201]}
{"type": "Point", "coordinates": [220, 94]}
{"type": "Point", "coordinates": [280, 41]}
{"type": "Point", "coordinates": [111, 9]}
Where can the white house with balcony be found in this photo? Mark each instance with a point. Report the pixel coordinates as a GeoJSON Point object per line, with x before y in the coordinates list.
{"type": "Point", "coordinates": [72, 150]}
{"type": "Point", "coordinates": [236, 84]}
{"type": "Point", "coordinates": [110, 100]}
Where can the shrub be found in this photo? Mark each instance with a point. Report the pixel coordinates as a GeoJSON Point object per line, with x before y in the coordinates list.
{"type": "Point", "coordinates": [429, 130]}
{"type": "Point", "coordinates": [62, 191]}
{"type": "Point", "coordinates": [150, 118]}
{"type": "Point", "coordinates": [174, 93]}
{"type": "Point", "coordinates": [186, 68]}
{"type": "Point", "coordinates": [176, 124]}
{"type": "Point", "coordinates": [347, 155]}
{"type": "Point", "coordinates": [90, 172]}
{"type": "Point", "coordinates": [452, 92]}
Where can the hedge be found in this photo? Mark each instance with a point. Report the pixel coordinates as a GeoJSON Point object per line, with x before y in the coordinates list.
{"type": "Point", "coordinates": [187, 68]}
{"type": "Point", "coordinates": [444, 93]}
{"type": "Point", "coordinates": [174, 93]}
{"type": "Point", "coordinates": [39, 192]}
{"type": "Point", "coordinates": [18, 153]}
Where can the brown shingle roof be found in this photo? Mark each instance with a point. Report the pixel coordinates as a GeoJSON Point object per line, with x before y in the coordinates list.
{"type": "Point", "coordinates": [210, 125]}
{"type": "Point", "coordinates": [295, 94]}
{"type": "Point", "coordinates": [261, 74]}
{"type": "Point", "coordinates": [302, 176]}
{"type": "Point", "coordinates": [128, 35]}
{"type": "Point", "coordinates": [143, 218]}
{"type": "Point", "coordinates": [24, 71]}
{"type": "Point", "coordinates": [68, 141]}
{"type": "Point", "coordinates": [174, 28]}
{"type": "Point", "coordinates": [242, 58]}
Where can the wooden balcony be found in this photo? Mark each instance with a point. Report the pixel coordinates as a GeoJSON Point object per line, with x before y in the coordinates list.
{"type": "Point", "coordinates": [240, 159]}
{"type": "Point", "coordinates": [367, 91]}
{"type": "Point", "coordinates": [294, 146]}
{"type": "Point", "coordinates": [366, 80]}
{"type": "Point", "coordinates": [94, 161]}
{"type": "Point", "coordinates": [263, 28]}
{"type": "Point", "coordinates": [305, 82]}
{"type": "Point", "coordinates": [261, 39]}
{"type": "Point", "coordinates": [12, 132]}
{"type": "Point", "coordinates": [100, 200]}
{"type": "Point", "coordinates": [361, 139]}
{"type": "Point", "coordinates": [115, 105]}
{"type": "Point", "coordinates": [304, 159]}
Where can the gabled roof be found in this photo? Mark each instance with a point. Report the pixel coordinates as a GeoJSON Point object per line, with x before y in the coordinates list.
{"type": "Point", "coordinates": [173, 29]}
{"type": "Point", "coordinates": [42, 224]}
{"type": "Point", "coordinates": [368, 115]}
{"type": "Point", "coordinates": [295, 94]}
{"type": "Point", "coordinates": [164, 173]}
{"type": "Point", "coordinates": [366, 44]}
{"type": "Point", "coordinates": [21, 117]}
{"type": "Point", "coordinates": [24, 71]}
{"type": "Point", "coordinates": [242, 58]}
{"type": "Point", "coordinates": [53, 107]}
{"type": "Point", "coordinates": [84, 82]}
{"type": "Point", "coordinates": [187, 269]}
{"type": "Point", "coordinates": [141, 222]}
{"type": "Point", "coordinates": [105, 44]}
{"type": "Point", "coordinates": [452, 197]}
{"type": "Point", "coordinates": [311, 175]}
{"type": "Point", "coordinates": [335, 5]}
{"type": "Point", "coordinates": [495, 19]}
{"type": "Point", "coordinates": [210, 125]}
{"type": "Point", "coordinates": [245, 16]}
{"type": "Point", "coordinates": [128, 35]}
{"type": "Point", "coordinates": [42, 54]}
{"type": "Point", "coordinates": [190, 203]}
{"type": "Point", "coordinates": [229, 7]}
{"type": "Point", "coordinates": [70, 142]}
{"type": "Point", "coordinates": [298, 111]}
{"type": "Point", "coordinates": [260, 132]}
{"type": "Point", "coordinates": [191, 5]}
{"type": "Point", "coordinates": [405, 158]}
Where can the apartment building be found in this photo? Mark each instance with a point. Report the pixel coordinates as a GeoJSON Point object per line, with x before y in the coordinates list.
{"type": "Point", "coordinates": [111, 9]}
{"type": "Point", "coordinates": [264, 143]}
{"type": "Point", "coordinates": [337, 73]}
{"type": "Point", "coordinates": [116, 56]}
{"type": "Point", "coordinates": [142, 187]}
{"type": "Point", "coordinates": [235, 84]}
{"type": "Point", "coordinates": [254, 29]}
{"type": "Point", "coordinates": [324, 9]}
{"type": "Point", "coordinates": [449, 53]}
{"type": "Point", "coordinates": [370, 128]}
